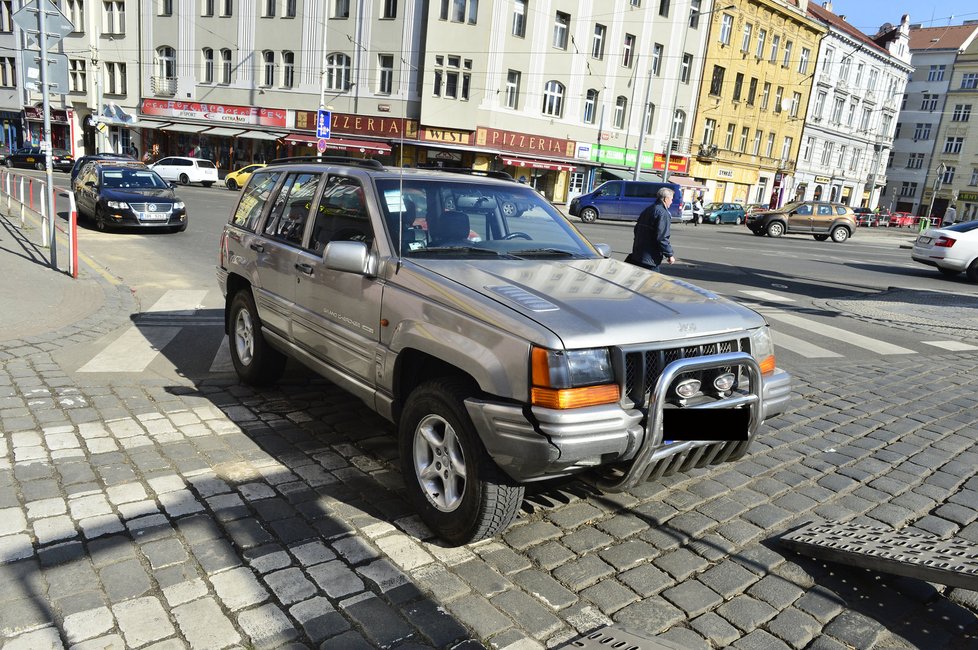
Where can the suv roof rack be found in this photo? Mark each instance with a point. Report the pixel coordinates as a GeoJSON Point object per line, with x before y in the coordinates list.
{"type": "Point", "coordinates": [465, 170]}
{"type": "Point", "coordinates": [334, 160]}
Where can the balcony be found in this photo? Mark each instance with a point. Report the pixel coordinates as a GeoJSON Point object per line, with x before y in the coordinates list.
{"type": "Point", "coordinates": [163, 86]}
{"type": "Point", "coordinates": [785, 165]}
{"type": "Point", "coordinates": [707, 152]}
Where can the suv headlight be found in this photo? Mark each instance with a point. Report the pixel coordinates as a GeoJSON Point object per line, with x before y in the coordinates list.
{"type": "Point", "coordinates": [117, 205]}
{"type": "Point", "coordinates": [762, 349]}
{"type": "Point", "coordinates": [565, 379]}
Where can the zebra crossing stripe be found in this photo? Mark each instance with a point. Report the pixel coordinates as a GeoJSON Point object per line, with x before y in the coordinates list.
{"type": "Point", "coordinates": [767, 295]}
{"type": "Point", "coordinates": [132, 351]}
{"type": "Point", "coordinates": [798, 346]}
{"type": "Point", "coordinates": [843, 336]}
{"type": "Point", "coordinates": [222, 360]}
{"type": "Point", "coordinates": [179, 301]}
{"type": "Point", "coordinates": [953, 346]}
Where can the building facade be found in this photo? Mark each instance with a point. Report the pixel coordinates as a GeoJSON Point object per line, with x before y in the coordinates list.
{"type": "Point", "coordinates": [848, 134]}
{"type": "Point", "coordinates": [752, 100]}
{"type": "Point", "coordinates": [911, 170]}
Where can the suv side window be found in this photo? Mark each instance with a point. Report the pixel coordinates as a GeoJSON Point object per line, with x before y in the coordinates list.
{"type": "Point", "coordinates": [253, 200]}
{"type": "Point", "coordinates": [287, 219]}
{"type": "Point", "coordinates": [342, 214]}
{"type": "Point", "coordinates": [825, 210]}
{"type": "Point", "coordinates": [840, 210]}
{"type": "Point", "coordinates": [641, 190]}
{"type": "Point", "coordinates": [610, 189]}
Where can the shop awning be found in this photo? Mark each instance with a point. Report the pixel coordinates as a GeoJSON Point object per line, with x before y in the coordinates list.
{"type": "Point", "coordinates": [301, 138]}
{"type": "Point", "coordinates": [260, 135]}
{"type": "Point", "coordinates": [538, 164]}
{"type": "Point", "coordinates": [184, 128]}
{"type": "Point", "coordinates": [687, 182]}
{"type": "Point", "coordinates": [628, 174]}
{"type": "Point", "coordinates": [363, 146]}
{"type": "Point", "coordinates": [223, 130]}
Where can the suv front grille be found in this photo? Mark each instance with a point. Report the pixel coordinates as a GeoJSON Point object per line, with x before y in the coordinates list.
{"type": "Point", "coordinates": [642, 367]}
{"type": "Point", "coordinates": [158, 207]}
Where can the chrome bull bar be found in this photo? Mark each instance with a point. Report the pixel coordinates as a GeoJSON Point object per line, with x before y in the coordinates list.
{"type": "Point", "coordinates": [652, 451]}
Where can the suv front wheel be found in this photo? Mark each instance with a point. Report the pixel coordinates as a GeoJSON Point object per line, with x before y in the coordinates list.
{"type": "Point", "coordinates": [256, 362]}
{"type": "Point", "coordinates": [457, 489]}
{"type": "Point", "coordinates": [776, 229]}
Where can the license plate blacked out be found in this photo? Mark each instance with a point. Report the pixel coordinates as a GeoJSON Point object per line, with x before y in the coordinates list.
{"type": "Point", "coordinates": [705, 424]}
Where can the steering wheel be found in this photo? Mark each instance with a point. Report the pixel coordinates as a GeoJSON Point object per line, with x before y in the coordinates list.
{"type": "Point", "coordinates": [518, 235]}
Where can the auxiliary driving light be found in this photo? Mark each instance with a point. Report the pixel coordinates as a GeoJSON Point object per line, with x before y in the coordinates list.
{"type": "Point", "coordinates": [725, 382]}
{"type": "Point", "coordinates": [687, 388]}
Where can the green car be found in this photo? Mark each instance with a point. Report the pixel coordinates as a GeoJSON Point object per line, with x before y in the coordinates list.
{"type": "Point", "coordinates": [724, 213]}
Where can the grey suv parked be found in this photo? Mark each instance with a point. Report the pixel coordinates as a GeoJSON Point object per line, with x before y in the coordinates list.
{"type": "Point", "coordinates": [506, 349]}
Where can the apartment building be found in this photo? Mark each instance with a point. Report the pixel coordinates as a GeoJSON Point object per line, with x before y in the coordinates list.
{"type": "Point", "coordinates": [752, 100]}
{"type": "Point", "coordinates": [852, 111]}
{"type": "Point", "coordinates": [911, 171]}
{"type": "Point", "coordinates": [11, 117]}
{"type": "Point", "coordinates": [954, 165]}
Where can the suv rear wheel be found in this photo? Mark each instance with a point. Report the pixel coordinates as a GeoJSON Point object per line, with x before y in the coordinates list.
{"type": "Point", "coordinates": [588, 215]}
{"type": "Point", "coordinates": [457, 489]}
{"type": "Point", "coordinates": [840, 234]}
{"type": "Point", "coordinates": [776, 229]}
{"type": "Point", "coordinates": [256, 362]}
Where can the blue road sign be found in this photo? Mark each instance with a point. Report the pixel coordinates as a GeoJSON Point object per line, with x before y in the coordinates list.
{"type": "Point", "coordinates": [324, 119]}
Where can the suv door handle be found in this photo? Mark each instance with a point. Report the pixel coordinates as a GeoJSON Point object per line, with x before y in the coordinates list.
{"type": "Point", "coordinates": [305, 268]}
{"type": "Point", "coordinates": [257, 247]}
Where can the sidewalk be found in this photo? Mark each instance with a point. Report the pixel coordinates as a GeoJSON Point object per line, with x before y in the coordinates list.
{"type": "Point", "coordinates": [40, 307]}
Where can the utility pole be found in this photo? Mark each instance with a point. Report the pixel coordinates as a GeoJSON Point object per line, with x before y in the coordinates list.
{"type": "Point", "coordinates": [941, 168]}
{"type": "Point", "coordinates": [46, 143]}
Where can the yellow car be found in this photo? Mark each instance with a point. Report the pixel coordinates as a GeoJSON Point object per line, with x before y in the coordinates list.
{"type": "Point", "coordinates": [236, 179]}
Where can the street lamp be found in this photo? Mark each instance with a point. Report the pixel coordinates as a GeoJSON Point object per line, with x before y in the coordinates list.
{"type": "Point", "coordinates": [941, 168]}
{"type": "Point", "coordinates": [671, 115]}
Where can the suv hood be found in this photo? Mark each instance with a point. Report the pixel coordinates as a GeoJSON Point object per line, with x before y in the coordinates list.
{"type": "Point", "coordinates": [164, 194]}
{"type": "Point", "coordinates": [595, 302]}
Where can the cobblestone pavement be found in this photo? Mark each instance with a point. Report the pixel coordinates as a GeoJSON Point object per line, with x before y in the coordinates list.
{"type": "Point", "coordinates": [147, 515]}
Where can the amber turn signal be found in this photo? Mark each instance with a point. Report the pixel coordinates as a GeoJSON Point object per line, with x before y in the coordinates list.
{"type": "Point", "coordinates": [572, 398]}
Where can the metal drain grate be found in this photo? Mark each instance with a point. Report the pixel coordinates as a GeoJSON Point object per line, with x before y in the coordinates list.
{"type": "Point", "coordinates": [614, 638]}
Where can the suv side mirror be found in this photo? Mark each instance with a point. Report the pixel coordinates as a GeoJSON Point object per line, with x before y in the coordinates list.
{"type": "Point", "coordinates": [350, 257]}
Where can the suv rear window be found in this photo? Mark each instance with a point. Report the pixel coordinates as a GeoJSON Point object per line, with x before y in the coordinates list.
{"type": "Point", "coordinates": [253, 199]}
{"type": "Point", "coordinates": [205, 163]}
{"type": "Point", "coordinates": [840, 209]}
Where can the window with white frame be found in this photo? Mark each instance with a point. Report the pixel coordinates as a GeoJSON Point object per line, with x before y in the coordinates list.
{"type": "Point", "coordinates": [268, 68]}
{"type": "Point", "coordinates": [915, 161]}
{"type": "Point", "coordinates": [166, 8]}
{"type": "Point", "coordinates": [953, 144]}
{"type": "Point", "coordinates": [207, 8]}
{"type": "Point", "coordinates": [851, 117]}
{"type": "Point", "coordinates": [921, 131]}
{"type": "Point", "coordinates": [597, 43]}
{"type": "Point", "coordinates": [207, 62]}
{"type": "Point", "coordinates": [388, 9]}
{"type": "Point", "coordinates": [775, 46]}
{"type": "Point", "coordinates": [803, 60]}
{"type": "Point", "coordinates": [786, 147]}
{"type": "Point", "coordinates": [908, 189]}
{"type": "Point", "coordinates": [519, 18]}
{"type": "Point", "coordinates": [166, 62]}
{"type": "Point", "coordinates": [864, 123]}
{"type": "Point", "coordinates": [770, 144]}
{"type": "Point", "coordinates": [288, 69]}
{"type": "Point", "coordinates": [738, 86]}
{"type": "Point", "coordinates": [621, 106]}
{"type": "Point", "coordinates": [290, 9]}
{"type": "Point", "coordinates": [341, 9]}
{"type": "Point", "coordinates": [114, 17]}
{"type": "Point", "coordinates": [77, 75]}
{"type": "Point", "coordinates": [765, 95]}
{"type": "Point", "coordinates": [786, 60]}
{"type": "Point", "coordinates": [857, 155]}
{"type": "Point", "coordinates": [936, 73]}
{"type": "Point", "coordinates": [709, 130]}
{"type": "Point", "coordinates": [820, 98]}
{"type": "Point", "coordinates": [948, 177]}
{"type": "Point", "coordinates": [842, 156]}
{"type": "Point", "coordinates": [745, 41]}
{"type": "Point", "coordinates": [778, 96]}
{"type": "Point", "coordinates": [656, 59]}
{"type": "Point", "coordinates": [678, 125]}
{"type": "Point", "coordinates": [761, 42]}
{"type": "Point", "coordinates": [974, 176]}
{"type": "Point", "coordinates": [686, 68]}
{"type": "Point", "coordinates": [385, 77]}
{"type": "Point", "coordinates": [744, 137]}
{"type": "Point", "coordinates": [694, 13]}
{"type": "Point", "coordinates": [827, 153]}
{"type": "Point", "coordinates": [553, 98]}
{"type": "Point", "coordinates": [561, 29]}
{"type": "Point", "coordinates": [269, 8]}
{"type": "Point", "coordinates": [716, 82]}
{"type": "Point", "coordinates": [969, 81]}
{"type": "Point", "coordinates": [795, 104]}
{"type": "Point", "coordinates": [827, 57]}
{"type": "Point", "coordinates": [752, 91]}
{"type": "Point", "coordinates": [226, 68]}
{"type": "Point", "coordinates": [837, 107]}
{"type": "Point", "coordinates": [647, 120]}
{"type": "Point", "coordinates": [337, 72]}
{"type": "Point", "coordinates": [457, 73]}
{"type": "Point", "coordinates": [227, 8]}
{"type": "Point", "coordinates": [758, 134]}
{"type": "Point", "coordinates": [115, 78]}
{"type": "Point", "coordinates": [8, 72]}
{"type": "Point", "coordinates": [726, 28]}
{"type": "Point", "coordinates": [513, 89]}
{"type": "Point", "coordinates": [664, 8]}
{"type": "Point", "coordinates": [728, 140]}
{"type": "Point", "coordinates": [806, 152]}
{"type": "Point", "coordinates": [873, 77]}
{"type": "Point", "coordinates": [628, 50]}
{"type": "Point", "coordinates": [844, 64]}
{"type": "Point", "coordinates": [590, 106]}
{"type": "Point", "coordinates": [928, 102]}
{"type": "Point", "coordinates": [74, 10]}
{"type": "Point", "coordinates": [962, 113]}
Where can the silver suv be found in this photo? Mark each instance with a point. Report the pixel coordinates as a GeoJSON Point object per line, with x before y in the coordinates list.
{"type": "Point", "coordinates": [507, 349]}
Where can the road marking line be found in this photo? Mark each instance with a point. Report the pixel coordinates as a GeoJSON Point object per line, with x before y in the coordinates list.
{"type": "Point", "coordinates": [841, 335]}
{"type": "Point", "coordinates": [222, 360]}
{"type": "Point", "coordinates": [132, 351]}
{"type": "Point", "coordinates": [767, 295]}
{"type": "Point", "coordinates": [798, 346]}
{"type": "Point", "coordinates": [179, 301]}
{"type": "Point", "coordinates": [953, 346]}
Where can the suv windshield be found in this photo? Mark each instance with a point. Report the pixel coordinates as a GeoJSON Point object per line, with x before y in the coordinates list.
{"type": "Point", "coordinates": [132, 179]}
{"type": "Point", "coordinates": [790, 207]}
{"type": "Point", "coordinates": [427, 217]}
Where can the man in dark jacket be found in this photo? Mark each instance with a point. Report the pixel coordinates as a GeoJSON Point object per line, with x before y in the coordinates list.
{"type": "Point", "coordinates": [651, 244]}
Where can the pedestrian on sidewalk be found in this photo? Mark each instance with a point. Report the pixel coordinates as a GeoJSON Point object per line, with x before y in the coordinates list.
{"type": "Point", "coordinates": [698, 210]}
{"type": "Point", "coordinates": [651, 245]}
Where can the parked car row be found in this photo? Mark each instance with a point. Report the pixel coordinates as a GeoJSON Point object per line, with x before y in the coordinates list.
{"type": "Point", "coordinates": [34, 158]}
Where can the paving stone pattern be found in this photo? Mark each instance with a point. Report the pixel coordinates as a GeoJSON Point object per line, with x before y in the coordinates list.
{"type": "Point", "coordinates": [138, 514]}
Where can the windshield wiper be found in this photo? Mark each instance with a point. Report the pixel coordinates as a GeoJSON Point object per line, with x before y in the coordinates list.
{"type": "Point", "coordinates": [455, 249]}
{"type": "Point", "coordinates": [543, 252]}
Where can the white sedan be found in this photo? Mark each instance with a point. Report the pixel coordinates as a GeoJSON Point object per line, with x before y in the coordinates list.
{"type": "Point", "coordinates": [952, 249]}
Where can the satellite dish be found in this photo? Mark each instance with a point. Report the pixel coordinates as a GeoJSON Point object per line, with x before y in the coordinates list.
{"type": "Point", "coordinates": [785, 105]}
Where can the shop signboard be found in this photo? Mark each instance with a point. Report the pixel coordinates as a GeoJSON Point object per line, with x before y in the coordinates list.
{"type": "Point", "coordinates": [968, 196]}
{"type": "Point", "coordinates": [524, 143]}
{"type": "Point", "coordinates": [349, 124]}
{"type": "Point", "coordinates": [608, 155]}
{"type": "Point", "coordinates": [249, 115]}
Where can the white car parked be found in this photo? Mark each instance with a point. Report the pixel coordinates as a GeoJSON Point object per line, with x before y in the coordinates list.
{"type": "Point", "coordinates": [186, 170]}
{"type": "Point", "coordinates": [952, 249]}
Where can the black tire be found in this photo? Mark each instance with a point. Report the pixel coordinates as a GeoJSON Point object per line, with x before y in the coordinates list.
{"type": "Point", "coordinates": [436, 434]}
{"type": "Point", "coordinates": [589, 215]}
{"type": "Point", "coordinates": [775, 229]}
{"type": "Point", "coordinates": [255, 361]}
{"type": "Point", "coordinates": [972, 271]}
{"type": "Point", "coordinates": [207, 183]}
{"type": "Point", "coordinates": [232, 184]}
{"type": "Point", "coordinates": [840, 234]}
{"type": "Point", "coordinates": [758, 233]}
{"type": "Point", "coordinates": [948, 272]}
{"type": "Point", "coordinates": [184, 179]}
{"type": "Point", "coordinates": [820, 237]}
{"type": "Point", "coordinates": [39, 166]}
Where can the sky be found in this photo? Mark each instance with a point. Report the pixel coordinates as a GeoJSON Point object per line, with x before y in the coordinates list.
{"type": "Point", "coordinates": [868, 15]}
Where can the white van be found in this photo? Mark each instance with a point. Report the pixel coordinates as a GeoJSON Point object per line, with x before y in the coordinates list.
{"type": "Point", "coordinates": [186, 170]}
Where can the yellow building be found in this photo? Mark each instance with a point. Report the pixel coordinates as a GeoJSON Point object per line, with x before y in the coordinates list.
{"type": "Point", "coordinates": [757, 77]}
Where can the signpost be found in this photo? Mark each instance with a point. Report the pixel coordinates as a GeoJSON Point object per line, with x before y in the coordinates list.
{"type": "Point", "coordinates": [321, 144]}
{"type": "Point", "coordinates": [324, 121]}
{"type": "Point", "coordinates": [45, 24]}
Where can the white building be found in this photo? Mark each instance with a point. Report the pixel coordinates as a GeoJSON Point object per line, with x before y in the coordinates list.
{"type": "Point", "coordinates": [858, 86]}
